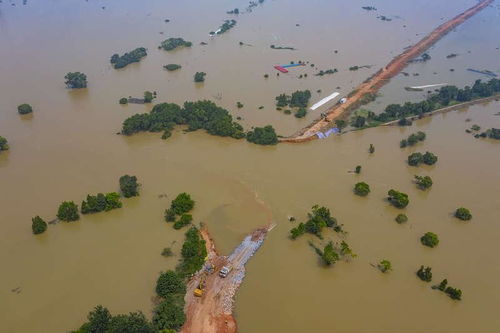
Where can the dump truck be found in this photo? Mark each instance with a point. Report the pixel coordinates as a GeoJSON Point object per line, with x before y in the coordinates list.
{"type": "Point", "coordinates": [224, 271]}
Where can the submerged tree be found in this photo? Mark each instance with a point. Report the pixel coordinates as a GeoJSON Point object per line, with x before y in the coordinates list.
{"type": "Point", "coordinates": [129, 186]}
{"type": "Point", "coordinates": [398, 199]}
{"type": "Point", "coordinates": [384, 266]}
{"type": "Point", "coordinates": [362, 189]}
{"type": "Point", "coordinates": [76, 80]}
{"type": "Point", "coordinates": [24, 109]}
{"type": "Point", "coordinates": [423, 182]}
{"type": "Point", "coordinates": [68, 211]}
{"type": "Point", "coordinates": [463, 214]}
{"type": "Point", "coordinates": [38, 225]}
{"type": "Point", "coordinates": [425, 274]}
{"type": "Point", "coordinates": [429, 239]}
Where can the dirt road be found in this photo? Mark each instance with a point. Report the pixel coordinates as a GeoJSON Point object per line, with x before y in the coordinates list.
{"type": "Point", "coordinates": [373, 84]}
{"type": "Point", "coordinates": [212, 313]}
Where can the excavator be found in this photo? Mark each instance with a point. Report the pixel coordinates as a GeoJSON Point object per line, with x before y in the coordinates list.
{"type": "Point", "coordinates": [209, 269]}
{"type": "Point", "coordinates": [198, 292]}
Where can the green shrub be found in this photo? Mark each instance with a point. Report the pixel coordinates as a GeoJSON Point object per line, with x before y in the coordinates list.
{"type": "Point", "coordinates": [263, 136]}
{"type": "Point", "coordinates": [172, 67]}
{"type": "Point", "coordinates": [123, 101]}
{"type": "Point", "coordinates": [76, 80]}
{"type": "Point", "coordinates": [301, 113]}
{"type": "Point", "coordinates": [129, 186]}
{"type": "Point", "coordinates": [425, 274]}
{"type": "Point", "coordinates": [199, 76]}
{"type": "Point", "coordinates": [170, 283]}
{"type": "Point", "coordinates": [362, 189]}
{"type": "Point", "coordinates": [398, 199]}
{"type": "Point", "coordinates": [430, 239]}
{"type": "Point", "coordinates": [423, 182]}
{"type": "Point", "coordinates": [183, 221]}
{"type": "Point", "coordinates": [68, 211]}
{"type": "Point", "coordinates": [24, 109]}
{"type": "Point", "coordinates": [401, 218]}
{"type": "Point", "coordinates": [463, 214]}
{"type": "Point", "coordinates": [38, 225]}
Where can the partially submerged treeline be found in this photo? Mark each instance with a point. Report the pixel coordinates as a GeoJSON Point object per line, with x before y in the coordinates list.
{"type": "Point", "coordinates": [168, 314]}
{"type": "Point", "coordinates": [195, 115]}
{"type": "Point", "coordinates": [68, 210]}
{"type": "Point", "coordinates": [318, 219]}
{"type": "Point", "coordinates": [445, 96]}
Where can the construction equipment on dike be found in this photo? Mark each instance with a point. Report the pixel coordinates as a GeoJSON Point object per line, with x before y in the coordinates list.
{"type": "Point", "coordinates": [210, 297]}
{"type": "Point", "coordinates": [366, 91]}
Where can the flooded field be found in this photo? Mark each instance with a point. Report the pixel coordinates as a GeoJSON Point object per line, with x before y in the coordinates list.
{"type": "Point", "coordinates": [69, 149]}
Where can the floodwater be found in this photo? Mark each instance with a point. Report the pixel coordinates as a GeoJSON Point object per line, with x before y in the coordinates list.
{"type": "Point", "coordinates": [69, 149]}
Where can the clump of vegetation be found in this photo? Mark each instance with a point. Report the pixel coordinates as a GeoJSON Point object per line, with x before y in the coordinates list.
{"type": "Point", "coordinates": [181, 205]}
{"type": "Point", "coordinates": [234, 11]}
{"type": "Point", "coordinates": [167, 252]}
{"type": "Point", "coordinates": [416, 159]}
{"type": "Point", "coordinates": [128, 58]}
{"type": "Point", "coordinates": [332, 253]}
{"type": "Point", "coordinates": [38, 225]}
{"type": "Point", "coordinates": [463, 214]}
{"type": "Point", "coordinates": [149, 96]}
{"type": "Point", "coordinates": [398, 199]}
{"type": "Point", "coordinates": [301, 113]}
{"type": "Point", "coordinates": [274, 47]}
{"type": "Point", "coordinates": [24, 109]}
{"type": "Point", "coordinates": [129, 186]}
{"type": "Point", "coordinates": [371, 149]}
{"type": "Point", "coordinates": [423, 182]}
{"type": "Point", "coordinates": [453, 293]}
{"type": "Point", "coordinates": [326, 72]}
{"type": "Point", "coordinates": [172, 67]}
{"type": "Point", "coordinates": [227, 25]}
{"type": "Point", "coordinates": [412, 139]}
{"type": "Point", "coordinates": [425, 274]}
{"type": "Point", "coordinates": [263, 135]}
{"type": "Point", "coordinates": [429, 239]}
{"type": "Point", "coordinates": [401, 218]}
{"type": "Point", "coordinates": [68, 211]}
{"type": "Point", "coordinates": [197, 115]}
{"type": "Point", "coordinates": [123, 101]}
{"type": "Point", "coordinates": [173, 43]}
{"type": "Point", "coordinates": [362, 189]}
{"type": "Point", "coordinates": [193, 253]}
{"type": "Point", "coordinates": [199, 76]}
{"type": "Point", "coordinates": [170, 283]}
{"type": "Point", "coordinates": [184, 220]}
{"type": "Point", "coordinates": [341, 124]}
{"type": "Point", "coordinates": [239, 105]}
{"type": "Point", "coordinates": [100, 202]}
{"type": "Point", "coordinates": [298, 99]}
{"type": "Point", "coordinates": [369, 8]}
{"type": "Point", "coordinates": [76, 80]}
{"type": "Point", "coordinates": [3, 144]}
{"type": "Point", "coordinates": [384, 266]}
{"type": "Point", "coordinates": [318, 219]}
{"type": "Point", "coordinates": [447, 95]}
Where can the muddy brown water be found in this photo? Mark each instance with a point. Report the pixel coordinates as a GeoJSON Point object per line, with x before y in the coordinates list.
{"type": "Point", "coordinates": [69, 149]}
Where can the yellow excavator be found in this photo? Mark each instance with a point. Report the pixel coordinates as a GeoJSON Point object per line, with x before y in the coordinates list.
{"type": "Point", "coordinates": [198, 292]}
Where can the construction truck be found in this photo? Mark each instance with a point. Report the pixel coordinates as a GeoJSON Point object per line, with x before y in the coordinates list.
{"type": "Point", "coordinates": [225, 271]}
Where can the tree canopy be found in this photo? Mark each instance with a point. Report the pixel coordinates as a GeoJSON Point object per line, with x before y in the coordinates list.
{"type": "Point", "coordinates": [263, 135]}
{"type": "Point", "coordinates": [362, 189]}
{"type": "Point", "coordinates": [398, 199]}
{"type": "Point", "coordinates": [430, 239]}
{"type": "Point", "coordinates": [24, 109]}
{"type": "Point", "coordinates": [101, 202]}
{"type": "Point", "coordinates": [170, 283]}
{"type": "Point", "coordinates": [463, 214]}
{"type": "Point", "coordinates": [68, 211]}
{"type": "Point", "coordinates": [76, 80]}
{"type": "Point", "coordinates": [129, 186]}
{"type": "Point", "coordinates": [38, 225]}
{"type": "Point", "coordinates": [3, 144]}
{"type": "Point", "coordinates": [425, 274]}
{"type": "Point", "coordinates": [128, 58]}
{"type": "Point", "coordinates": [318, 218]}
{"type": "Point", "coordinates": [423, 182]}
{"type": "Point", "coordinates": [173, 43]}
